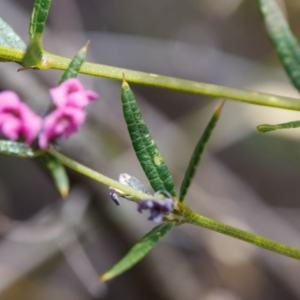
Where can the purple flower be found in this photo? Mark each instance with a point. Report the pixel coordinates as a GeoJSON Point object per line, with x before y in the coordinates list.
{"type": "Point", "coordinates": [158, 208]}
{"type": "Point", "coordinates": [61, 122]}
{"type": "Point", "coordinates": [114, 196]}
{"type": "Point", "coordinates": [71, 93]}
{"type": "Point", "coordinates": [17, 121]}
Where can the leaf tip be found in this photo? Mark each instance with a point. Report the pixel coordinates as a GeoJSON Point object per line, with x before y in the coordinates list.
{"type": "Point", "coordinates": [124, 82]}
{"type": "Point", "coordinates": [263, 128]}
{"type": "Point", "coordinates": [219, 107]}
{"type": "Point", "coordinates": [22, 69]}
{"type": "Point", "coordinates": [86, 46]}
{"type": "Point", "coordinates": [105, 277]}
{"type": "Point", "coordinates": [64, 193]}
{"type": "Point", "coordinates": [258, 127]}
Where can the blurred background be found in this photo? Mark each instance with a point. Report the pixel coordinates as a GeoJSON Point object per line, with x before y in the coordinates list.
{"type": "Point", "coordinates": [55, 249]}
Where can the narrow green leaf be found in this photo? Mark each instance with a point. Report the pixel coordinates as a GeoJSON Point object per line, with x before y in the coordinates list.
{"type": "Point", "coordinates": [267, 127]}
{"type": "Point", "coordinates": [72, 69]}
{"type": "Point", "coordinates": [18, 149]}
{"type": "Point", "coordinates": [9, 38]}
{"type": "Point", "coordinates": [138, 251]}
{"type": "Point", "coordinates": [197, 154]}
{"type": "Point", "coordinates": [282, 38]}
{"type": "Point", "coordinates": [38, 19]}
{"type": "Point", "coordinates": [33, 55]}
{"type": "Point", "coordinates": [145, 148]}
{"type": "Point", "coordinates": [75, 64]}
{"type": "Point", "coordinates": [58, 173]}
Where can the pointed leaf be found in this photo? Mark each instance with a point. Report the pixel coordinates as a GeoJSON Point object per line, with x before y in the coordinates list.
{"type": "Point", "coordinates": [8, 37]}
{"type": "Point", "coordinates": [145, 148]}
{"type": "Point", "coordinates": [38, 19]}
{"type": "Point", "coordinates": [72, 70]}
{"type": "Point", "coordinates": [282, 38]}
{"type": "Point", "coordinates": [18, 149]}
{"type": "Point", "coordinates": [58, 173]}
{"type": "Point", "coordinates": [267, 127]}
{"type": "Point", "coordinates": [138, 251]}
{"type": "Point", "coordinates": [75, 64]}
{"type": "Point", "coordinates": [197, 154]}
{"type": "Point", "coordinates": [33, 55]}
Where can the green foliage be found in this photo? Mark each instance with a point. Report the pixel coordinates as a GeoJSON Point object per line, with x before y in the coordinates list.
{"type": "Point", "coordinates": [267, 127]}
{"type": "Point", "coordinates": [284, 41]}
{"type": "Point", "coordinates": [145, 148]}
{"type": "Point", "coordinates": [58, 173]}
{"type": "Point", "coordinates": [18, 149]}
{"type": "Point", "coordinates": [9, 38]}
{"type": "Point", "coordinates": [13, 48]}
{"type": "Point", "coordinates": [33, 55]}
{"type": "Point", "coordinates": [197, 154]}
{"type": "Point", "coordinates": [75, 64]}
{"type": "Point", "coordinates": [38, 19]}
{"type": "Point", "coordinates": [138, 251]}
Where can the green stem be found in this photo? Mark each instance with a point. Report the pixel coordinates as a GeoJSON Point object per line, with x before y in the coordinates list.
{"type": "Point", "coordinates": [188, 215]}
{"type": "Point", "coordinates": [187, 86]}
{"type": "Point", "coordinates": [53, 61]}
{"type": "Point", "coordinates": [198, 220]}
{"type": "Point", "coordinates": [97, 176]}
{"type": "Point", "coordinates": [15, 55]}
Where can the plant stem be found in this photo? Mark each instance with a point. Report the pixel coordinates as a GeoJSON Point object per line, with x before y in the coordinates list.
{"type": "Point", "coordinates": [15, 55]}
{"type": "Point", "coordinates": [72, 164]}
{"type": "Point", "coordinates": [187, 86]}
{"type": "Point", "coordinates": [198, 220]}
{"type": "Point", "coordinates": [188, 215]}
{"type": "Point", "coordinates": [53, 61]}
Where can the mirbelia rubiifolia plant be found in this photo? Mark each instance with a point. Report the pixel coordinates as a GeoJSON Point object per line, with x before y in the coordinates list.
{"type": "Point", "coordinates": [28, 135]}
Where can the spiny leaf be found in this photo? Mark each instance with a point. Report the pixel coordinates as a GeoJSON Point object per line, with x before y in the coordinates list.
{"type": "Point", "coordinates": [18, 149]}
{"type": "Point", "coordinates": [58, 173]}
{"type": "Point", "coordinates": [138, 251]}
{"type": "Point", "coordinates": [75, 64]}
{"type": "Point", "coordinates": [145, 148]}
{"type": "Point", "coordinates": [9, 38]}
{"type": "Point", "coordinates": [33, 55]}
{"type": "Point", "coordinates": [282, 38]}
{"type": "Point", "coordinates": [197, 154]}
{"type": "Point", "coordinates": [38, 19]}
{"type": "Point", "coordinates": [267, 127]}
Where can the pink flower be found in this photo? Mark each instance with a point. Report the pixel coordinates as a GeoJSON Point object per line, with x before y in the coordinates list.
{"type": "Point", "coordinates": [71, 93]}
{"type": "Point", "coordinates": [70, 99]}
{"type": "Point", "coordinates": [17, 121]}
{"type": "Point", "coordinates": [61, 122]}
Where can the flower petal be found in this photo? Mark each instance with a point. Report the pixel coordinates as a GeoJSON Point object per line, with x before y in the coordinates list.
{"type": "Point", "coordinates": [158, 208]}
{"type": "Point", "coordinates": [17, 119]}
{"type": "Point", "coordinates": [72, 93]}
{"type": "Point", "coordinates": [61, 122]}
{"type": "Point", "coordinates": [9, 100]}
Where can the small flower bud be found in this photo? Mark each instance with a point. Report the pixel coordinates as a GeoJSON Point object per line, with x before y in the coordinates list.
{"type": "Point", "coordinates": [158, 208]}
